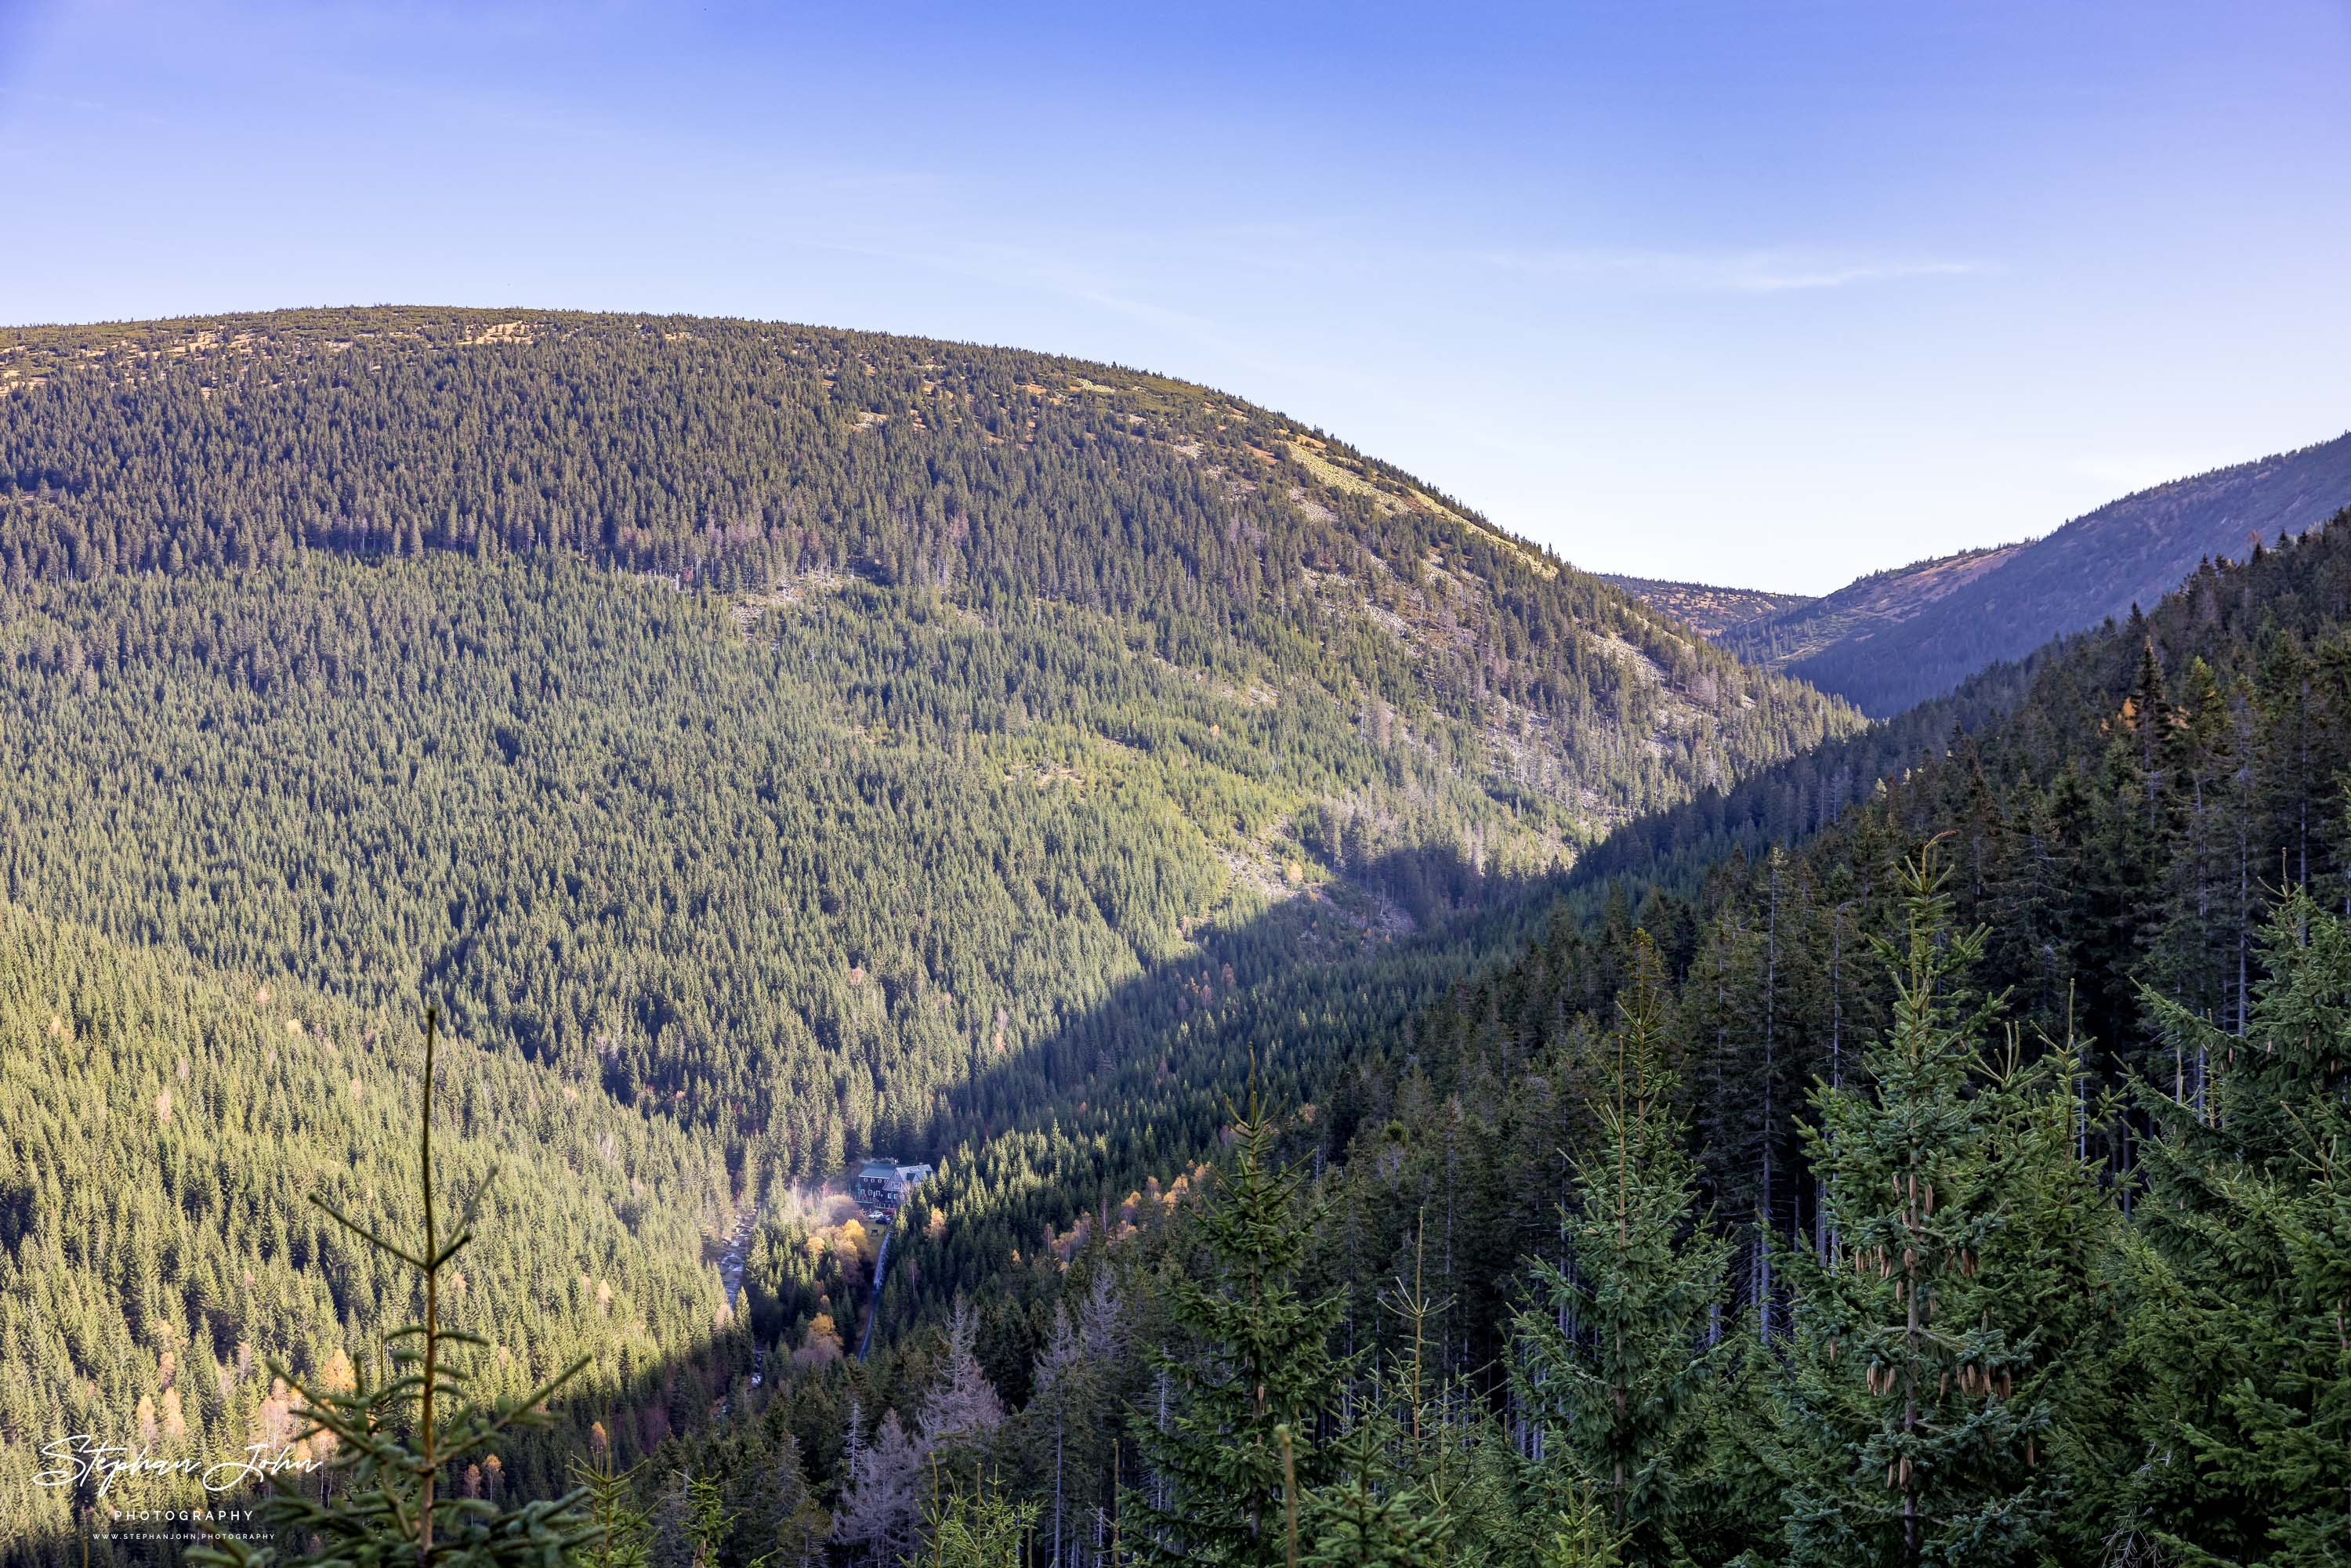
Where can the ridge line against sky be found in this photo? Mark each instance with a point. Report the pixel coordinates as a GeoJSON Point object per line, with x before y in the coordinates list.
{"type": "Point", "coordinates": [1766, 295]}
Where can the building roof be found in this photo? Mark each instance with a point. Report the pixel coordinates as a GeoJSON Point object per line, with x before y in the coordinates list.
{"type": "Point", "coordinates": [889, 1174]}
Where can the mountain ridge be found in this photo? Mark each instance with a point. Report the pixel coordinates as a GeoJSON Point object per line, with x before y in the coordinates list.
{"type": "Point", "coordinates": [735, 455]}
{"type": "Point", "coordinates": [2130, 551]}
{"type": "Point", "coordinates": [1783, 638]}
{"type": "Point", "coordinates": [1896, 637]}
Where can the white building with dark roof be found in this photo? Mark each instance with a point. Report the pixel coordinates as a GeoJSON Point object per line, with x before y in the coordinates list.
{"type": "Point", "coordinates": [882, 1185]}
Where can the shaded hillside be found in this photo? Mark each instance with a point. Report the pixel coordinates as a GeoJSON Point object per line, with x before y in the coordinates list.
{"type": "Point", "coordinates": [2128, 552]}
{"type": "Point", "coordinates": [2147, 822]}
{"type": "Point", "coordinates": [1709, 611]}
{"type": "Point", "coordinates": [1690, 1120]}
{"type": "Point", "coordinates": [798, 871]}
{"type": "Point", "coordinates": [1862, 609]}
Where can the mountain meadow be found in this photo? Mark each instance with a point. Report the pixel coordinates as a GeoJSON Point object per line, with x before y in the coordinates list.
{"type": "Point", "coordinates": [1423, 1057]}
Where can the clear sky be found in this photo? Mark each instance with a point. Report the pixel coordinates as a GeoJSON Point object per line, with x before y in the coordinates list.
{"type": "Point", "coordinates": [1760, 294]}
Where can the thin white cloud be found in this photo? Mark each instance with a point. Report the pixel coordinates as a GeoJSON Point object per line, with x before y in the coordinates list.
{"type": "Point", "coordinates": [1724, 272]}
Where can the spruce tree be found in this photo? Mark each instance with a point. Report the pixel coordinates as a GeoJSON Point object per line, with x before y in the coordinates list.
{"type": "Point", "coordinates": [2192, 961]}
{"type": "Point", "coordinates": [1506, 1510]}
{"type": "Point", "coordinates": [1077, 1384]}
{"type": "Point", "coordinates": [692, 1522]}
{"type": "Point", "coordinates": [2240, 1271]}
{"type": "Point", "coordinates": [961, 1412]}
{"type": "Point", "coordinates": [1060, 1382]}
{"type": "Point", "coordinates": [621, 1526]}
{"type": "Point", "coordinates": [1614, 1363]}
{"type": "Point", "coordinates": [779, 1520]}
{"type": "Point", "coordinates": [1251, 1356]}
{"type": "Point", "coordinates": [1907, 1411]}
{"type": "Point", "coordinates": [1372, 1515]}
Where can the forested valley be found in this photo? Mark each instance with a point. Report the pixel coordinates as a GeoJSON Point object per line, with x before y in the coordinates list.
{"type": "Point", "coordinates": [1959, 1180]}
{"type": "Point", "coordinates": [1424, 1060]}
{"type": "Point", "coordinates": [767, 746]}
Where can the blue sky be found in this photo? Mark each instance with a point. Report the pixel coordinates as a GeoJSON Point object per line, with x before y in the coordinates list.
{"type": "Point", "coordinates": [1769, 294]}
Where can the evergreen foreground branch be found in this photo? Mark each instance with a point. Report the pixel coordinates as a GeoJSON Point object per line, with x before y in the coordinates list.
{"type": "Point", "coordinates": [394, 1444]}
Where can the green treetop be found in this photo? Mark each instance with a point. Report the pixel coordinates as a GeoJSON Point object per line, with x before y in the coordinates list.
{"type": "Point", "coordinates": [1614, 1360]}
{"type": "Point", "coordinates": [1251, 1361]}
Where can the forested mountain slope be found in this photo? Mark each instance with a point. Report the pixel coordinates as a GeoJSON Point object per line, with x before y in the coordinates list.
{"type": "Point", "coordinates": [1142, 840]}
{"type": "Point", "coordinates": [798, 882]}
{"type": "Point", "coordinates": [160, 1133]}
{"type": "Point", "coordinates": [744, 457]}
{"type": "Point", "coordinates": [1102, 661]}
{"type": "Point", "coordinates": [2125, 807]}
{"type": "Point", "coordinates": [1890, 640]}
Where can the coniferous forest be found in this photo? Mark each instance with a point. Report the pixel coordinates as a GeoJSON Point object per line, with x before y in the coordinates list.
{"type": "Point", "coordinates": [1425, 1060]}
